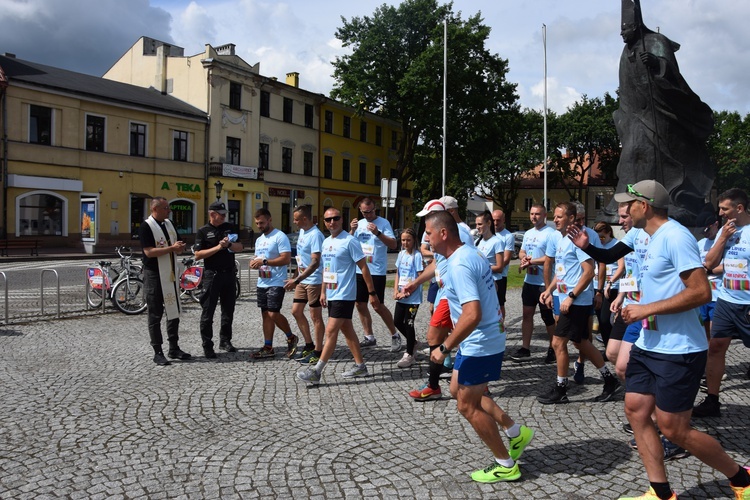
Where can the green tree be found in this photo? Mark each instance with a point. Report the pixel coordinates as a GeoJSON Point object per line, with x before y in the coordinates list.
{"type": "Point", "coordinates": [396, 66]}
{"type": "Point", "coordinates": [586, 133]}
{"type": "Point", "coordinates": [729, 148]}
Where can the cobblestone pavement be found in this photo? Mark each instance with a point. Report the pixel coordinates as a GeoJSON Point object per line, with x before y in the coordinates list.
{"type": "Point", "coordinates": [86, 414]}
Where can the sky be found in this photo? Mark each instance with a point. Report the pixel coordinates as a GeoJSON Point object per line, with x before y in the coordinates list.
{"type": "Point", "coordinates": [583, 41]}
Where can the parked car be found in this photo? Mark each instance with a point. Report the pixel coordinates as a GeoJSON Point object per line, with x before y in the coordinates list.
{"type": "Point", "coordinates": [518, 237]}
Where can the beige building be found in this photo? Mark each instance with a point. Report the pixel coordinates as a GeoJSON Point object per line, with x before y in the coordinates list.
{"type": "Point", "coordinates": [83, 155]}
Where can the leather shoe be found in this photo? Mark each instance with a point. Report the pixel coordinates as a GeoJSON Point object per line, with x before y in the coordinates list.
{"type": "Point", "coordinates": [178, 354]}
{"type": "Point", "coordinates": [160, 360]}
{"type": "Point", "coordinates": [227, 346]}
{"type": "Point", "coordinates": [209, 353]}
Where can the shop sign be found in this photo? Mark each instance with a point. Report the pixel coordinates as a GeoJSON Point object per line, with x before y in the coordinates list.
{"type": "Point", "coordinates": [88, 219]}
{"type": "Point", "coordinates": [229, 170]}
{"type": "Point", "coordinates": [184, 189]}
{"type": "Point", "coordinates": [285, 193]}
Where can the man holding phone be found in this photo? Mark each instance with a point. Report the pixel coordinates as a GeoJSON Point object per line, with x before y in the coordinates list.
{"type": "Point", "coordinates": [216, 245]}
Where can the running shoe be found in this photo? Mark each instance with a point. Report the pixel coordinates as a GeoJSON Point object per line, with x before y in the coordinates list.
{"type": "Point", "coordinates": [741, 492]}
{"type": "Point", "coordinates": [599, 338]}
{"type": "Point", "coordinates": [627, 427]}
{"type": "Point", "coordinates": [313, 360]}
{"type": "Point", "coordinates": [520, 442]}
{"type": "Point", "coordinates": [309, 375]}
{"type": "Point", "coordinates": [551, 358]}
{"type": "Point", "coordinates": [406, 361]}
{"type": "Point", "coordinates": [633, 445]}
{"type": "Point", "coordinates": [305, 353]}
{"type": "Point", "coordinates": [578, 376]}
{"type": "Point", "coordinates": [396, 344]}
{"type": "Point", "coordinates": [291, 346]}
{"type": "Point", "coordinates": [557, 395]}
{"type": "Point", "coordinates": [649, 495]}
{"type": "Point", "coordinates": [263, 352]}
{"type": "Point", "coordinates": [709, 407]}
{"type": "Point", "coordinates": [356, 371]}
{"type": "Point", "coordinates": [521, 354]}
{"type": "Point", "coordinates": [426, 393]}
{"type": "Point", "coordinates": [611, 388]}
{"type": "Point", "coordinates": [496, 473]}
{"type": "Point", "coordinates": [672, 451]}
{"type": "Point", "coordinates": [368, 342]}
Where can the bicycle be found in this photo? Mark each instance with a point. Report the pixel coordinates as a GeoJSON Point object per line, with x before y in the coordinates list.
{"type": "Point", "coordinates": [191, 279]}
{"type": "Point", "coordinates": [125, 290]}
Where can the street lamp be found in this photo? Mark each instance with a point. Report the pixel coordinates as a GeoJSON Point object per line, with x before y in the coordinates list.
{"type": "Point", "coordinates": [218, 185]}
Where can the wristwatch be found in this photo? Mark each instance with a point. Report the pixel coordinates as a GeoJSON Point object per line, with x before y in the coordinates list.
{"type": "Point", "coordinates": [572, 295]}
{"type": "Point", "coordinates": [443, 349]}
{"type": "Point", "coordinates": [373, 293]}
{"type": "Point", "coordinates": [378, 233]}
{"type": "Point", "coordinates": [265, 262]}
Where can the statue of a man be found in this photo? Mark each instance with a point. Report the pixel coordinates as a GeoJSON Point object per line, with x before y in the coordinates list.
{"type": "Point", "coordinates": [663, 125]}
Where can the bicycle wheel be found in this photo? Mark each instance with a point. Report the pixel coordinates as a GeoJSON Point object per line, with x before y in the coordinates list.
{"type": "Point", "coordinates": [196, 293]}
{"type": "Point", "coordinates": [94, 298]}
{"type": "Point", "coordinates": [129, 297]}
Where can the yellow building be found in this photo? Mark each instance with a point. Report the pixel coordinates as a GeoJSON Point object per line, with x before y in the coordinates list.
{"type": "Point", "coordinates": [83, 156]}
{"type": "Point", "coordinates": [357, 151]}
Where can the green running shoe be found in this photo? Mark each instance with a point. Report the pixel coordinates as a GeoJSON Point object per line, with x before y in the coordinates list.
{"type": "Point", "coordinates": [496, 473]}
{"type": "Point", "coordinates": [520, 442]}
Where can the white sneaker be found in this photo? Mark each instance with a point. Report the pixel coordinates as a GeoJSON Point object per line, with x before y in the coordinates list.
{"type": "Point", "coordinates": [425, 351]}
{"type": "Point", "coordinates": [406, 361]}
{"type": "Point", "coordinates": [396, 344]}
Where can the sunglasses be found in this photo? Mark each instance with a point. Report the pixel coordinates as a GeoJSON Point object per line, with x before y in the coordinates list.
{"type": "Point", "coordinates": [331, 219]}
{"type": "Point", "coordinates": [639, 195]}
{"type": "Point", "coordinates": [367, 211]}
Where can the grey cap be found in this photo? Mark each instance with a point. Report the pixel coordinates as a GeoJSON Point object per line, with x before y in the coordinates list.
{"type": "Point", "coordinates": [649, 191]}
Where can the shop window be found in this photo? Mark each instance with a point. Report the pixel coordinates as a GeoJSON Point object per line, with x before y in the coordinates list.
{"type": "Point", "coordinates": [95, 133]}
{"type": "Point", "coordinates": [182, 215]}
{"type": "Point", "coordinates": [41, 214]}
{"type": "Point", "coordinates": [40, 125]}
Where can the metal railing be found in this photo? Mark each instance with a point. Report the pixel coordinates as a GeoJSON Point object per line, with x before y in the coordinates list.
{"type": "Point", "coordinates": [7, 306]}
{"type": "Point", "coordinates": [41, 289]}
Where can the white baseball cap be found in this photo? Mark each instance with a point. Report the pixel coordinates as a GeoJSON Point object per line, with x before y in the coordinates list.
{"type": "Point", "coordinates": [431, 206]}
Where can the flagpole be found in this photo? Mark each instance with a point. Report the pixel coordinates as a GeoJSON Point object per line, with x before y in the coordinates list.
{"type": "Point", "coordinates": [544, 43]}
{"type": "Point", "coordinates": [445, 93]}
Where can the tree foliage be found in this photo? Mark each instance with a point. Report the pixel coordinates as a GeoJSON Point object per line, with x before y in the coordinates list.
{"type": "Point", "coordinates": [729, 148]}
{"type": "Point", "coordinates": [396, 67]}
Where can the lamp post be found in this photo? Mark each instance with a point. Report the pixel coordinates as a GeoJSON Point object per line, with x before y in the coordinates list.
{"type": "Point", "coordinates": [218, 185]}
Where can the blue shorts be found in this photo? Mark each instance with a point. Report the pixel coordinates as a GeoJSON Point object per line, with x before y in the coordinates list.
{"type": "Point", "coordinates": [731, 320]}
{"type": "Point", "coordinates": [477, 370]}
{"type": "Point", "coordinates": [632, 332]}
{"type": "Point", "coordinates": [556, 304]}
{"type": "Point", "coordinates": [673, 379]}
{"type": "Point", "coordinates": [432, 292]}
{"type": "Point", "coordinates": [707, 311]}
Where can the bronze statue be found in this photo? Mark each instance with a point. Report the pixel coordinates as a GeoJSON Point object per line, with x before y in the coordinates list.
{"type": "Point", "coordinates": [663, 125]}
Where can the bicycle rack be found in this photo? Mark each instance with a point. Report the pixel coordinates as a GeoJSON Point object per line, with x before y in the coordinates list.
{"type": "Point", "coordinates": [5, 281]}
{"type": "Point", "coordinates": [41, 289]}
{"type": "Point", "coordinates": [88, 287]}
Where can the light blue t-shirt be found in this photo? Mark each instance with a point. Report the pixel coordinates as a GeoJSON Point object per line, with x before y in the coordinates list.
{"type": "Point", "coordinates": [375, 250]}
{"type": "Point", "coordinates": [630, 283]}
{"type": "Point", "coordinates": [269, 246]}
{"type": "Point", "coordinates": [467, 279]}
{"type": "Point", "coordinates": [308, 243]}
{"type": "Point", "coordinates": [735, 283]}
{"type": "Point", "coordinates": [611, 268]}
{"type": "Point", "coordinates": [339, 259]}
{"type": "Point", "coordinates": [568, 271]}
{"type": "Point", "coordinates": [714, 280]}
{"type": "Point", "coordinates": [408, 268]}
{"type": "Point", "coordinates": [509, 245]}
{"type": "Point", "coordinates": [671, 251]}
{"type": "Point", "coordinates": [535, 243]}
{"type": "Point", "coordinates": [490, 248]}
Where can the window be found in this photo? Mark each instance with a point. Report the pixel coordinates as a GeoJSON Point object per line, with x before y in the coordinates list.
{"type": "Point", "coordinates": [378, 135]}
{"type": "Point", "coordinates": [40, 214]}
{"type": "Point", "coordinates": [265, 103]}
{"type": "Point", "coordinates": [347, 127]}
{"type": "Point", "coordinates": [527, 202]}
{"type": "Point", "coordinates": [377, 175]}
{"type": "Point", "coordinates": [599, 202]}
{"type": "Point", "coordinates": [137, 139]}
{"type": "Point", "coordinates": [263, 155]}
{"type": "Point", "coordinates": [363, 131]}
{"type": "Point", "coordinates": [233, 150]}
{"type": "Point", "coordinates": [179, 145]}
{"type": "Point", "coordinates": [235, 95]}
{"type": "Point", "coordinates": [308, 115]}
{"type": "Point", "coordinates": [394, 173]}
{"type": "Point", "coordinates": [288, 109]}
{"type": "Point", "coordinates": [182, 216]}
{"type": "Point", "coordinates": [308, 163]}
{"type": "Point", "coordinates": [329, 122]}
{"type": "Point", "coordinates": [40, 125]}
{"type": "Point", "coordinates": [394, 139]}
{"type": "Point", "coordinates": [94, 133]}
{"type": "Point", "coordinates": [328, 167]}
{"type": "Point", "coordinates": [362, 172]}
{"type": "Point", "coordinates": [346, 169]}
{"type": "Point", "coordinates": [286, 160]}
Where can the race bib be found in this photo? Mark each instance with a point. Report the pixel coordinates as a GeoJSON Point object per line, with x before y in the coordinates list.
{"type": "Point", "coordinates": [264, 271]}
{"type": "Point", "coordinates": [331, 280]}
{"type": "Point", "coordinates": [649, 323]}
{"type": "Point", "coordinates": [628, 285]}
{"type": "Point", "coordinates": [403, 281]}
{"type": "Point", "coordinates": [735, 274]}
{"type": "Point", "coordinates": [368, 249]}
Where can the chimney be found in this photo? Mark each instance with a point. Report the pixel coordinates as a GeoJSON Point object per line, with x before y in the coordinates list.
{"type": "Point", "coordinates": [160, 80]}
{"type": "Point", "coordinates": [292, 79]}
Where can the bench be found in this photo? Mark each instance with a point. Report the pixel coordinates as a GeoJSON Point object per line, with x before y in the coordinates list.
{"type": "Point", "coordinates": [22, 244]}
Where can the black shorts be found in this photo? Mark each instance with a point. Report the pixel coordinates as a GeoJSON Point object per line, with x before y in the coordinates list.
{"type": "Point", "coordinates": [271, 298]}
{"type": "Point", "coordinates": [501, 286]}
{"type": "Point", "coordinates": [340, 309]}
{"type": "Point", "coordinates": [363, 295]}
{"type": "Point", "coordinates": [731, 320]}
{"type": "Point", "coordinates": [575, 324]}
{"type": "Point", "coordinates": [673, 379]}
{"type": "Point", "coordinates": [618, 328]}
{"type": "Point", "coordinates": [530, 298]}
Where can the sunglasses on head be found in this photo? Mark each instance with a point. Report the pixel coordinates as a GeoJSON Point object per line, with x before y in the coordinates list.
{"type": "Point", "coordinates": [636, 193]}
{"type": "Point", "coordinates": [331, 219]}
